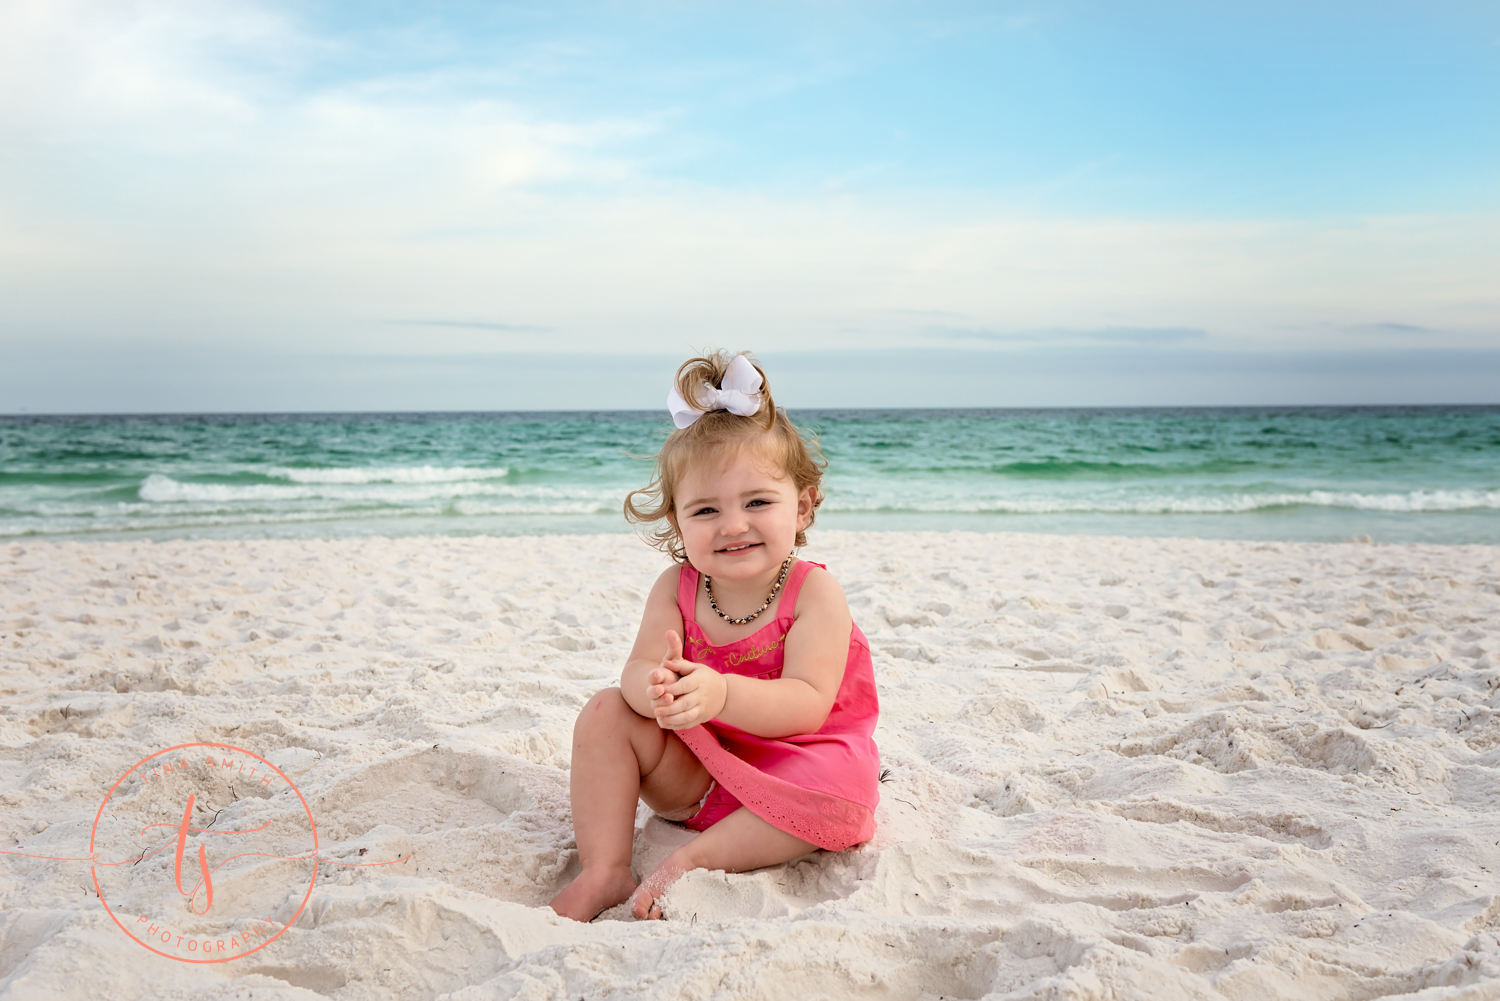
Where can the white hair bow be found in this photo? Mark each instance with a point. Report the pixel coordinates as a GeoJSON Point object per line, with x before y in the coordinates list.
{"type": "Point", "coordinates": [740, 394]}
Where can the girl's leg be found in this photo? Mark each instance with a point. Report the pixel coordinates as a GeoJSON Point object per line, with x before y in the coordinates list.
{"type": "Point", "coordinates": [619, 756]}
{"type": "Point", "coordinates": [739, 842]}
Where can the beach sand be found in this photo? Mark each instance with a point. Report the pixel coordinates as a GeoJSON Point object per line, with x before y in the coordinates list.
{"type": "Point", "coordinates": [1118, 768]}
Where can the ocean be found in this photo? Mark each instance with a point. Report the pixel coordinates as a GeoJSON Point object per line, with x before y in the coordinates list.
{"type": "Point", "coordinates": [1395, 474]}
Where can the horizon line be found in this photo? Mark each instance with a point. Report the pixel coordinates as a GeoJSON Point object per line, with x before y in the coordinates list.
{"type": "Point", "coordinates": [4, 415]}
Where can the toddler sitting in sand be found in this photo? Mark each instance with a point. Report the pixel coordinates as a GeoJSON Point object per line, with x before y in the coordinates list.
{"type": "Point", "coordinates": [747, 706]}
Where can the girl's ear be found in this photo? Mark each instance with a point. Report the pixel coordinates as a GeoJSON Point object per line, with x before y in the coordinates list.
{"type": "Point", "coordinates": [806, 502]}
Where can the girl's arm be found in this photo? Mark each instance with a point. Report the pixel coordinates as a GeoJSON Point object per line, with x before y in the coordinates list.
{"type": "Point", "coordinates": [660, 617]}
{"type": "Point", "coordinates": [817, 648]}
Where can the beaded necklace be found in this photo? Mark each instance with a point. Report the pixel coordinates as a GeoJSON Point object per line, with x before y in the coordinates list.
{"type": "Point", "coordinates": [775, 590]}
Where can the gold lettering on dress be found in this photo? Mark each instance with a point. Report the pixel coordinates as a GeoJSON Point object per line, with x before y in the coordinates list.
{"type": "Point", "coordinates": [698, 647]}
{"type": "Point", "coordinates": [754, 653]}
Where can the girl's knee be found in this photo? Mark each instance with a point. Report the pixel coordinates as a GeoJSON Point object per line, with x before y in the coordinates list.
{"type": "Point", "coordinates": [606, 708]}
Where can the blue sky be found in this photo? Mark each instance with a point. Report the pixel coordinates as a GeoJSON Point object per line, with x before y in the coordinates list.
{"type": "Point", "coordinates": [371, 206]}
{"type": "Point", "coordinates": [1105, 108]}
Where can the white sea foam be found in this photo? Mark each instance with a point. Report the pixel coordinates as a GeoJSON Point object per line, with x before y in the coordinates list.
{"type": "Point", "coordinates": [1417, 500]}
{"type": "Point", "coordinates": [479, 508]}
{"type": "Point", "coordinates": [398, 496]}
{"type": "Point", "coordinates": [1237, 503]}
{"type": "Point", "coordinates": [381, 488]}
{"type": "Point", "coordinates": [412, 494]}
{"type": "Point", "coordinates": [390, 474]}
{"type": "Point", "coordinates": [159, 489]}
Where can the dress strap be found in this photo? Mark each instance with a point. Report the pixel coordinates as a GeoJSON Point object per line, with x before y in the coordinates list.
{"type": "Point", "coordinates": [793, 586]}
{"type": "Point", "coordinates": [687, 594]}
{"type": "Point", "coordinates": [687, 590]}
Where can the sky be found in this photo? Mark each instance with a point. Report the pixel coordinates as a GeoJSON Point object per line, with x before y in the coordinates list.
{"type": "Point", "coordinates": [252, 206]}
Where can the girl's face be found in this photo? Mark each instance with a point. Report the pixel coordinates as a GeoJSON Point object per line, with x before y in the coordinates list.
{"type": "Point", "coordinates": [739, 521]}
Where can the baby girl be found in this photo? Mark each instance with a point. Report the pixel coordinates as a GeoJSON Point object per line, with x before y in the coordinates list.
{"type": "Point", "coordinates": [747, 706]}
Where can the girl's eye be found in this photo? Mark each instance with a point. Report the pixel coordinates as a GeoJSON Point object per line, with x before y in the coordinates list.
{"type": "Point", "coordinates": [705, 510]}
{"type": "Point", "coordinates": [757, 501]}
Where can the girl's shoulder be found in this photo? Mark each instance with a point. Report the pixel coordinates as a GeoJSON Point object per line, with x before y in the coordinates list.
{"type": "Point", "coordinates": [666, 585]}
{"type": "Point", "coordinates": [821, 591]}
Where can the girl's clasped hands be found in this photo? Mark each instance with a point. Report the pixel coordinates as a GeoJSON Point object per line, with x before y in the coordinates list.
{"type": "Point", "coordinates": [684, 694]}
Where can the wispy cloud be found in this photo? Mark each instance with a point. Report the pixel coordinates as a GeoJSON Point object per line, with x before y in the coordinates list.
{"type": "Point", "coordinates": [929, 313]}
{"type": "Point", "coordinates": [1389, 328]}
{"type": "Point", "coordinates": [518, 328]}
{"type": "Point", "coordinates": [1110, 335]}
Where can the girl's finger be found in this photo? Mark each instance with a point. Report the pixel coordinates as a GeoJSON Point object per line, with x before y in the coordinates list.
{"type": "Point", "coordinates": [678, 708]}
{"type": "Point", "coordinates": [672, 722]}
{"type": "Point", "coordinates": [677, 723]}
{"type": "Point", "coordinates": [674, 645]}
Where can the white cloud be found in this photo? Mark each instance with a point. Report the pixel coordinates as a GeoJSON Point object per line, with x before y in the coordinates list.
{"type": "Point", "coordinates": [138, 72]}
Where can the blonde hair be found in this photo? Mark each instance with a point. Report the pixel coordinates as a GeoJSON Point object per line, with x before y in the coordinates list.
{"type": "Point", "coordinates": [769, 431]}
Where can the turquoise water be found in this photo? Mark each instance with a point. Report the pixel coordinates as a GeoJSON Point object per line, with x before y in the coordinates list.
{"type": "Point", "coordinates": [1396, 474]}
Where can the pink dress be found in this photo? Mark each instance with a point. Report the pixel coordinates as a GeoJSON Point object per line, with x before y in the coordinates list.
{"type": "Point", "coordinates": [821, 787]}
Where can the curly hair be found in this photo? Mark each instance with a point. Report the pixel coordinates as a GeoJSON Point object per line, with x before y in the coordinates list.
{"type": "Point", "coordinates": [769, 432]}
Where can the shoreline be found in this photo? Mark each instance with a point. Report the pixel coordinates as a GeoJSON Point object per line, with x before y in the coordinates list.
{"type": "Point", "coordinates": [237, 533]}
{"type": "Point", "coordinates": [1159, 766]}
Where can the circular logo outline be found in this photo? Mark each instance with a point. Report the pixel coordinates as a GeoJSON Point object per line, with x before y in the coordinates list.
{"type": "Point", "coordinates": [311, 883]}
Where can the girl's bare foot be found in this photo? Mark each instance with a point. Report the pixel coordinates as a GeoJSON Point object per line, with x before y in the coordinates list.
{"type": "Point", "coordinates": [645, 901]}
{"type": "Point", "coordinates": [644, 905]}
{"type": "Point", "coordinates": [593, 891]}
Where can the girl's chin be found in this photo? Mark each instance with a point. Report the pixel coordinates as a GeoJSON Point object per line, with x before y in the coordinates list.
{"type": "Point", "coordinates": [736, 563]}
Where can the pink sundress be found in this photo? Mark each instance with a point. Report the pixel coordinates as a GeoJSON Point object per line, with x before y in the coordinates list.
{"type": "Point", "coordinates": [821, 787]}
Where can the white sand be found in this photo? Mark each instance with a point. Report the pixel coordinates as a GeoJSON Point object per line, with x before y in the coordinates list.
{"type": "Point", "coordinates": [1118, 769]}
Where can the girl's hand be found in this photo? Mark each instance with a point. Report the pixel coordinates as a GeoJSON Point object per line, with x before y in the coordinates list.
{"type": "Point", "coordinates": [657, 684]}
{"type": "Point", "coordinates": [664, 676]}
{"type": "Point", "coordinates": [696, 694]}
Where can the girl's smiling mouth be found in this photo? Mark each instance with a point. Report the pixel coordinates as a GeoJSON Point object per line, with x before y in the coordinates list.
{"type": "Point", "coordinates": [739, 547]}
